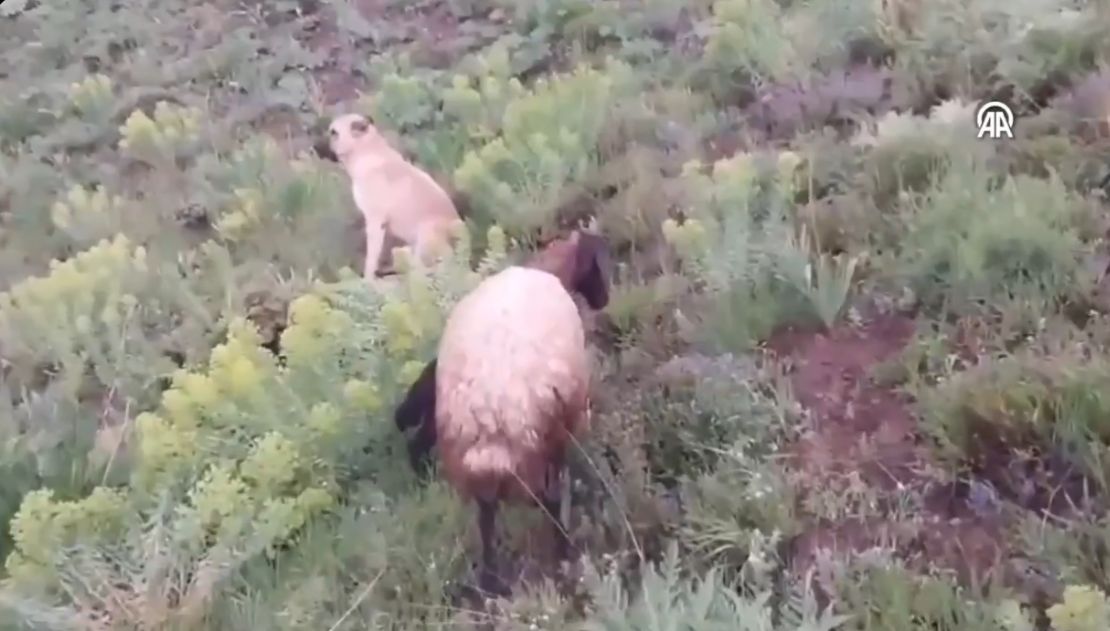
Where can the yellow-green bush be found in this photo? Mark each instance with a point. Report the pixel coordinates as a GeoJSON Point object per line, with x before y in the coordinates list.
{"type": "Point", "coordinates": [88, 215]}
{"type": "Point", "coordinates": [161, 139]}
{"type": "Point", "coordinates": [479, 102]}
{"type": "Point", "coordinates": [92, 97]}
{"type": "Point", "coordinates": [410, 314]}
{"type": "Point", "coordinates": [245, 451]}
{"type": "Point", "coordinates": [247, 446]}
{"type": "Point", "coordinates": [745, 41]}
{"type": "Point", "coordinates": [86, 309]}
{"type": "Point", "coordinates": [547, 143]}
{"type": "Point", "coordinates": [1083, 608]}
{"type": "Point", "coordinates": [403, 102]}
{"type": "Point", "coordinates": [271, 197]}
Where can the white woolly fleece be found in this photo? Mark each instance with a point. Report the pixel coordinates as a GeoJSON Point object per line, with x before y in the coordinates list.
{"type": "Point", "coordinates": [513, 380]}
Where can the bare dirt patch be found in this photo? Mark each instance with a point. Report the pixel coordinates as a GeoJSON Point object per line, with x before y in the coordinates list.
{"type": "Point", "coordinates": [864, 430]}
{"type": "Point", "coordinates": [856, 424]}
{"type": "Point", "coordinates": [337, 80]}
{"type": "Point", "coordinates": [428, 30]}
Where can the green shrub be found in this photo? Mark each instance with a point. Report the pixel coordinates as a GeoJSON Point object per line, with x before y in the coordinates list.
{"type": "Point", "coordinates": [886, 595]}
{"type": "Point", "coordinates": [665, 599]}
{"type": "Point", "coordinates": [1022, 402]}
{"type": "Point", "coordinates": [741, 244]}
{"type": "Point", "coordinates": [546, 143]}
{"type": "Point", "coordinates": [971, 241]}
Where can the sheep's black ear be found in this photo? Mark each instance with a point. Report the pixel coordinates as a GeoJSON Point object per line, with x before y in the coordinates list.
{"type": "Point", "coordinates": [418, 409]}
{"type": "Point", "coordinates": [591, 277]}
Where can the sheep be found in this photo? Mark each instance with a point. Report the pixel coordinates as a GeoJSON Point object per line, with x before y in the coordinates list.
{"type": "Point", "coordinates": [394, 195]}
{"type": "Point", "coordinates": [509, 387]}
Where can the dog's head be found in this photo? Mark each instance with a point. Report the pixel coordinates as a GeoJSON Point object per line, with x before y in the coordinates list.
{"type": "Point", "coordinates": [346, 135]}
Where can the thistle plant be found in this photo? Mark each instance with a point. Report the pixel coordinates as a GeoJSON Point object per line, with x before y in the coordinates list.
{"type": "Point", "coordinates": [665, 600]}
{"type": "Point", "coordinates": [749, 208]}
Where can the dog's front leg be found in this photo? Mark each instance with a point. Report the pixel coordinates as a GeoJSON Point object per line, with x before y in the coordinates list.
{"type": "Point", "coordinates": [375, 238]}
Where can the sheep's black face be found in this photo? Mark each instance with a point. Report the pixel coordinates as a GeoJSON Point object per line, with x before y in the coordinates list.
{"type": "Point", "coordinates": [418, 409]}
{"type": "Point", "coordinates": [591, 278]}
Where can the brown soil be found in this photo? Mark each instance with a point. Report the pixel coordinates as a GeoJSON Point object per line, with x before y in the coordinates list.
{"type": "Point", "coordinates": [859, 428]}
{"type": "Point", "coordinates": [336, 80]}
{"type": "Point", "coordinates": [428, 30]}
{"type": "Point", "coordinates": [830, 380]}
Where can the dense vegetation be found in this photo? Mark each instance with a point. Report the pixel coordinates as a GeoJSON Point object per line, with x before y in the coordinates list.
{"type": "Point", "coordinates": [854, 375]}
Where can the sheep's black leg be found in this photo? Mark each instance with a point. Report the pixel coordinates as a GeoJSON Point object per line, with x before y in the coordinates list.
{"type": "Point", "coordinates": [553, 506]}
{"type": "Point", "coordinates": [488, 580]}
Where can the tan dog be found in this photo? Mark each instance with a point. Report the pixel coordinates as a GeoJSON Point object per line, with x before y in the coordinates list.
{"type": "Point", "coordinates": [393, 194]}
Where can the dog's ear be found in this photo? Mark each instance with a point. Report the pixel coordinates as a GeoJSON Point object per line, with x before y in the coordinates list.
{"type": "Point", "coordinates": [591, 268]}
{"type": "Point", "coordinates": [360, 126]}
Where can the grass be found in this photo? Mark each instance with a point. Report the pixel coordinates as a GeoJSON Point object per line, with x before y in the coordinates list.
{"type": "Point", "coordinates": [852, 376]}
